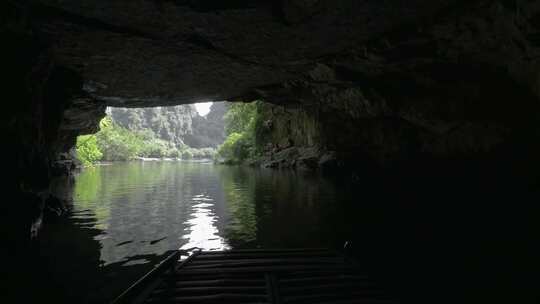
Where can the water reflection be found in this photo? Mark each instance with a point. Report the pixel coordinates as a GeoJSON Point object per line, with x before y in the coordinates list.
{"type": "Point", "coordinates": [149, 208]}
{"type": "Point", "coordinates": [202, 231]}
{"type": "Point", "coordinates": [127, 216]}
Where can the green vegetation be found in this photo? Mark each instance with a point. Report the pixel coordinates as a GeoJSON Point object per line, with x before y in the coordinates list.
{"type": "Point", "coordinates": [241, 124]}
{"type": "Point", "coordinates": [87, 150]}
{"type": "Point", "coordinates": [115, 143]}
{"type": "Point", "coordinates": [202, 153]}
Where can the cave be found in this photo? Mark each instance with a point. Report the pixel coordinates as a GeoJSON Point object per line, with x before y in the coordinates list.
{"type": "Point", "coordinates": [431, 106]}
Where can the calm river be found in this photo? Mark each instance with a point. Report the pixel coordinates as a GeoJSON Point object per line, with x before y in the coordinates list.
{"type": "Point", "coordinates": [411, 236]}
{"type": "Point", "coordinates": [126, 216]}
{"type": "Point", "coordinates": [151, 207]}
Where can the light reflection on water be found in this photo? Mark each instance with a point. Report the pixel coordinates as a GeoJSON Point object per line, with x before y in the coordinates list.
{"type": "Point", "coordinates": [126, 217]}
{"type": "Point", "coordinates": [143, 209]}
{"type": "Point", "coordinates": [202, 231]}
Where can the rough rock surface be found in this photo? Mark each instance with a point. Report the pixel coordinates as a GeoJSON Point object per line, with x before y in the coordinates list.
{"type": "Point", "coordinates": [422, 77]}
{"type": "Point", "coordinates": [168, 123]}
{"type": "Point", "coordinates": [209, 130]}
{"type": "Point", "coordinates": [389, 82]}
{"type": "Point", "coordinates": [181, 125]}
{"type": "Point", "coordinates": [410, 74]}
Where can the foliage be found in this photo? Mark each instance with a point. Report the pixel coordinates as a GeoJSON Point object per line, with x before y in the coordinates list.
{"type": "Point", "coordinates": [113, 143]}
{"type": "Point", "coordinates": [157, 148]}
{"type": "Point", "coordinates": [186, 154]}
{"type": "Point", "coordinates": [117, 143]}
{"type": "Point", "coordinates": [87, 149]}
{"type": "Point", "coordinates": [239, 117]}
{"type": "Point", "coordinates": [202, 153]}
{"type": "Point", "coordinates": [177, 124]}
{"type": "Point", "coordinates": [228, 150]}
{"type": "Point", "coordinates": [241, 121]}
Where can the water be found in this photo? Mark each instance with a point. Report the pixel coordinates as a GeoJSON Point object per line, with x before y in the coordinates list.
{"type": "Point", "coordinates": [126, 216]}
{"type": "Point", "coordinates": [149, 208]}
{"type": "Point", "coordinates": [412, 235]}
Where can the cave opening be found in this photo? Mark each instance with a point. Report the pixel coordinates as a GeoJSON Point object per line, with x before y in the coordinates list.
{"type": "Point", "coordinates": [409, 129]}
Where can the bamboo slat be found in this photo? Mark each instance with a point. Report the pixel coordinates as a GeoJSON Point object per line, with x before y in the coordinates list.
{"type": "Point", "coordinates": [273, 276]}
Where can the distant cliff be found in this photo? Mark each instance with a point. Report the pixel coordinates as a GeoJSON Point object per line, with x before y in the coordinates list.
{"type": "Point", "coordinates": [181, 125]}
{"type": "Point", "coordinates": [208, 131]}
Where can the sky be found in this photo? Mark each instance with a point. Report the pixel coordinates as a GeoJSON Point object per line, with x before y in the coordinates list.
{"type": "Point", "coordinates": [203, 107]}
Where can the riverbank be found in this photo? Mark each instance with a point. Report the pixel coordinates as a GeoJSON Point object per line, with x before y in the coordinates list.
{"type": "Point", "coordinates": [153, 159]}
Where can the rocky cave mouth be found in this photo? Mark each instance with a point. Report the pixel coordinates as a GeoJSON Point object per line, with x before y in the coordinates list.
{"type": "Point", "coordinates": [434, 101]}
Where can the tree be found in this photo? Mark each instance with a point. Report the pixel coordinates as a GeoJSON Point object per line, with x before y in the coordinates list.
{"type": "Point", "coordinates": [239, 117]}
{"type": "Point", "coordinates": [114, 142]}
{"type": "Point", "coordinates": [241, 121]}
{"type": "Point", "coordinates": [228, 148]}
{"type": "Point", "coordinates": [187, 154]}
{"type": "Point", "coordinates": [87, 149]}
{"type": "Point", "coordinates": [117, 143]}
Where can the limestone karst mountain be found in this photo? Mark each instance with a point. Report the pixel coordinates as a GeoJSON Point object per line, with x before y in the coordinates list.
{"type": "Point", "coordinates": [181, 125]}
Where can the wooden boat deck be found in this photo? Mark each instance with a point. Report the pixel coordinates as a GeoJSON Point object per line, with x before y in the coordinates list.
{"type": "Point", "coordinates": [256, 276]}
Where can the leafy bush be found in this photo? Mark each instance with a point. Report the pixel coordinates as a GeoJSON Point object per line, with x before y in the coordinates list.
{"type": "Point", "coordinates": [114, 142]}
{"type": "Point", "coordinates": [194, 153]}
{"type": "Point", "coordinates": [187, 154]}
{"type": "Point", "coordinates": [241, 122]}
{"type": "Point", "coordinates": [240, 117]}
{"type": "Point", "coordinates": [157, 148]}
{"type": "Point", "coordinates": [117, 143]}
{"type": "Point", "coordinates": [228, 150]}
{"type": "Point", "coordinates": [87, 150]}
{"type": "Point", "coordinates": [174, 153]}
{"type": "Point", "coordinates": [207, 153]}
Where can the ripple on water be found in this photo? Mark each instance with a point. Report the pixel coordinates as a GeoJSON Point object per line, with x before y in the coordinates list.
{"type": "Point", "coordinates": [201, 229]}
{"type": "Point", "coordinates": [194, 205]}
{"type": "Point", "coordinates": [127, 216]}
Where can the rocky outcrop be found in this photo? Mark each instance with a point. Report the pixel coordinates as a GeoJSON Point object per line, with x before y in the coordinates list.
{"type": "Point", "coordinates": [209, 130]}
{"type": "Point", "coordinates": [181, 125]}
{"type": "Point", "coordinates": [167, 52]}
{"type": "Point", "coordinates": [47, 108]}
{"type": "Point", "coordinates": [429, 64]}
{"type": "Point", "coordinates": [171, 124]}
{"type": "Point", "coordinates": [395, 81]}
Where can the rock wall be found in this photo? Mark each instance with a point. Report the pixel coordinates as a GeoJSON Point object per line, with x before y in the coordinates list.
{"type": "Point", "coordinates": [288, 137]}
{"type": "Point", "coordinates": [388, 84]}
{"type": "Point", "coordinates": [395, 81]}
{"type": "Point", "coordinates": [168, 123]}
{"type": "Point", "coordinates": [181, 125]}
{"type": "Point", "coordinates": [208, 131]}
{"type": "Point", "coordinates": [46, 108]}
